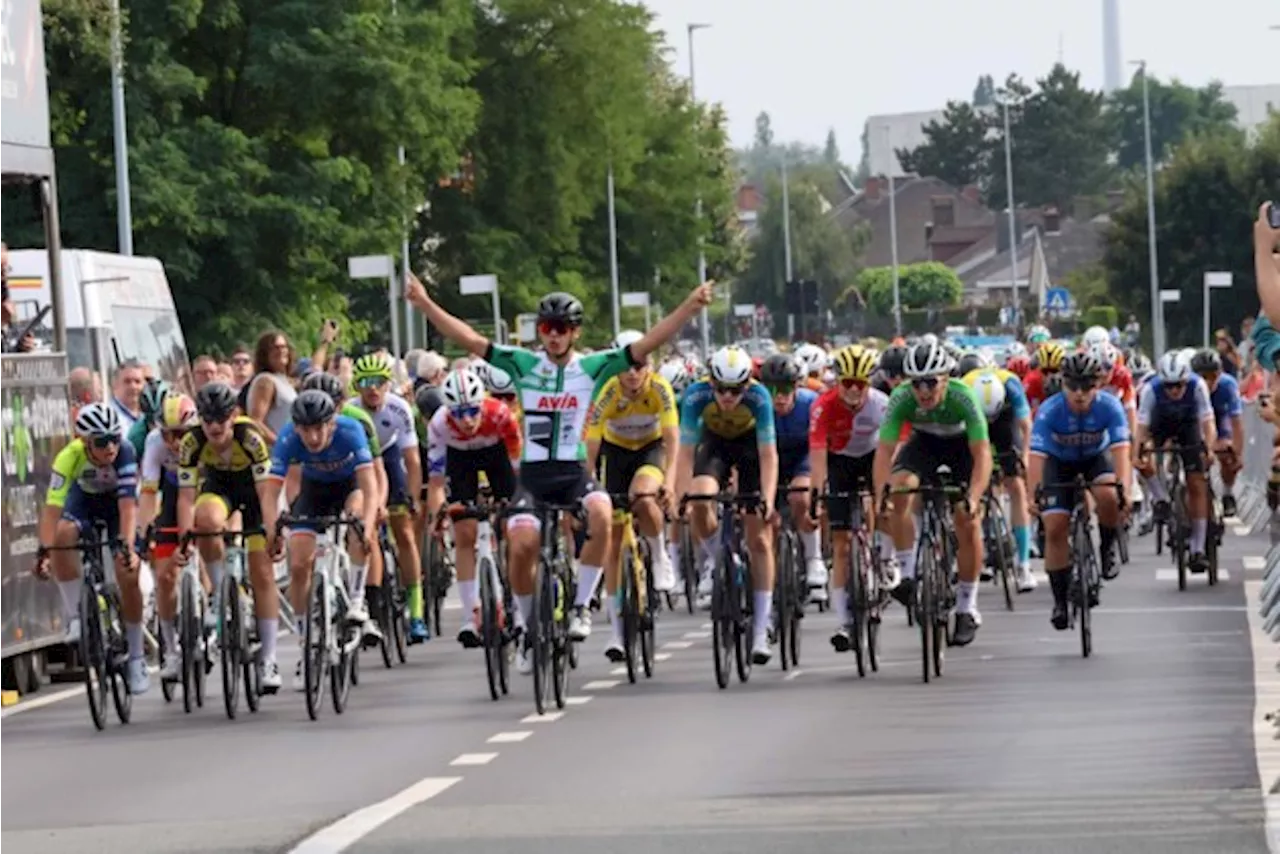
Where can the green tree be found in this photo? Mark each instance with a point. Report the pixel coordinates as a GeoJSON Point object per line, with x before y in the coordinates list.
{"type": "Point", "coordinates": [984, 93]}
{"type": "Point", "coordinates": [956, 149]}
{"type": "Point", "coordinates": [764, 131]}
{"type": "Point", "coordinates": [929, 284]}
{"type": "Point", "coordinates": [831, 150]}
{"type": "Point", "coordinates": [1177, 111]}
{"type": "Point", "coordinates": [1088, 286]}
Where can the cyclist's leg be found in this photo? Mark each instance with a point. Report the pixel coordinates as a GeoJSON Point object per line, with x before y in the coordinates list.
{"type": "Point", "coordinates": [1193, 469]}
{"type": "Point", "coordinates": [401, 522]}
{"type": "Point", "coordinates": [165, 566]}
{"type": "Point", "coordinates": [913, 462]}
{"type": "Point", "coordinates": [1101, 470]}
{"type": "Point", "coordinates": [614, 469]}
{"type": "Point", "coordinates": [969, 545]}
{"type": "Point", "coordinates": [844, 474]}
{"type": "Point", "coordinates": [759, 542]}
{"type": "Point", "coordinates": [711, 467]}
{"type": "Point", "coordinates": [262, 578]}
{"type": "Point", "coordinates": [302, 550]}
{"type": "Point", "coordinates": [599, 512]}
{"type": "Point", "coordinates": [793, 471]}
{"type": "Point", "coordinates": [647, 477]}
{"type": "Point", "coordinates": [462, 471]}
{"type": "Point", "coordinates": [1055, 516]}
{"type": "Point", "coordinates": [65, 563]}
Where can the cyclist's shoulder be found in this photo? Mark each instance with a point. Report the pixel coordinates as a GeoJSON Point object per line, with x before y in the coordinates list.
{"type": "Point", "coordinates": [757, 397]}
{"type": "Point", "coordinates": [698, 392]}
{"type": "Point", "coordinates": [807, 397]}
{"type": "Point", "coordinates": [72, 457]}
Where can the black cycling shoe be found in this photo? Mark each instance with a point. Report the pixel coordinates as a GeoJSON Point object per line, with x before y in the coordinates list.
{"type": "Point", "coordinates": [1110, 566]}
{"type": "Point", "coordinates": [1199, 564]}
{"type": "Point", "coordinates": [840, 640]}
{"type": "Point", "coordinates": [1061, 617]}
{"type": "Point", "coordinates": [967, 626]}
{"type": "Point", "coordinates": [1228, 505]}
{"type": "Point", "coordinates": [904, 593]}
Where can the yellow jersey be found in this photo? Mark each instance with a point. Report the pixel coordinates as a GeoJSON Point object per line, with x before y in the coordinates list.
{"type": "Point", "coordinates": [633, 422]}
{"type": "Point", "coordinates": [246, 456]}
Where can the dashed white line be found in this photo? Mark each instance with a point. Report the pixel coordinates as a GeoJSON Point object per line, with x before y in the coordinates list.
{"type": "Point", "coordinates": [661, 656]}
{"type": "Point", "coordinates": [347, 830]}
{"type": "Point", "coordinates": [510, 737]}
{"type": "Point", "coordinates": [577, 701]}
{"type": "Point", "coordinates": [474, 759]}
{"type": "Point", "coordinates": [601, 685]}
{"type": "Point", "coordinates": [535, 718]}
{"type": "Point", "coordinates": [697, 635]}
{"type": "Point", "coordinates": [1242, 530]}
{"type": "Point", "coordinates": [452, 606]}
{"type": "Point", "coordinates": [1172, 575]}
{"type": "Point", "coordinates": [677, 644]}
{"type": "Point", "coordinates": [618, 671]}
{"type": "Point", "coordinates": [1254, 562]}
{"type": "Point", "coordinates": [708, 626]}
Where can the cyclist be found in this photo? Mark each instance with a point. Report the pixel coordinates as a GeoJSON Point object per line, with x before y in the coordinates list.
{"type": "Point", "coordinates": [1078, 432]}
{"type": "Point", "coordinates": [792, 406]}
{"type": "Point", "coordinates": [469, 434]}
{"type": "Point", "coordinates": [812, 360]}
{"type": "Point", "coordinates": [555, 387]}
{"type": "Point", "coordinates": [150, 402]}
{"type": "Point", "coordinates": [160, 481]}
{"type": "Point", "coordinates": [1093, 338]}
{"type": "Point", "coordinates": [94, 478]}
{"type": "Point", "coordinates": [676, 372]}
{"type": "Point", "coordinates": [337, 476]}
{"type": "Point", "coordinates": [1224, 394]}
{"type": "Point", "coordinates": [1049, 358]}
{"type": "Point", "coordinates": [889, 375]}
{"type": "Point", "coordinates": [222, 468]}
{"type": "Point", "coordinates": [393, 422]}
{"type": "Point", "coordinates": [948, 428]}
{"type": "Point", "coordinates": [1008, 414]}
{"type": "Point", "coordinates": [1175, 406]}
{"type": "Point", "coordinates": [726, 425]}
{"type": "Point", "coordinates": [842, 442]}
{"type": "Point", "coordinates": [632, 437]}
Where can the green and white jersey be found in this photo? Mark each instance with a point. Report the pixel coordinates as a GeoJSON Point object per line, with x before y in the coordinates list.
{"type": "Point", "coordinates": [957, 414]}
{"type": "Point", "coordinates": [556, 399]}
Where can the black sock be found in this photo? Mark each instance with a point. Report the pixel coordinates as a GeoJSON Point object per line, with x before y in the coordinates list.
{"type": "Point", "coordinates": [373, 596]}
{"type": "Point", "coordinates": [1060, 582]}
{"type": "Point", "coordinates": [1107, 538]}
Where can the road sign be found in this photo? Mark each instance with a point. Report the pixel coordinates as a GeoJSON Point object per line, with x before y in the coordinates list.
{"type": "Point", "coordinates": [744, 309]}
{"type": "Point", "coordinates": [635, 299]}
{"type": "Point", "coordinates": [370, 267]}
{"type": "Point", "coordinates": [1057, 299]}
{"type": "Point", "coordinates": [1170, 295]}
{"type": "Point", "coordinates": [485, 283]}
{"type": "Point", "coordinates": [1217, 279]}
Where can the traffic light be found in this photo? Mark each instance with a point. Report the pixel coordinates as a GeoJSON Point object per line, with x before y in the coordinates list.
{"type": "Point", "coordinates": [802, 296]}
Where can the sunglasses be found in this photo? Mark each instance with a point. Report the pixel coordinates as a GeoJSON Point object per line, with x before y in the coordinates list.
{"type": "Point", "coordinates": [553, 327]}
{"type": "Point", "coordinates": [241, 360]}
{"type": "Point", "coordinates": [1079, 385]}
{"type": "Point", "coordinates": [924, 383]}
{"type": "Point", "coordinates": [371, 382]}
{"type": "Point", "coordinates": [1175, 386]}
{"type": "Point", "coordinates": [464, 411]}
{"type": "Point", "coordinates": [735, 390]}
{"type": "Point", "coordinates": [175, 435]}
{"type": "Point", "coordinates": [103, 442]}
{"type": "Point", "coordinates": [852, 383]}
{"type": "Point", "coordinates": [778, 390]}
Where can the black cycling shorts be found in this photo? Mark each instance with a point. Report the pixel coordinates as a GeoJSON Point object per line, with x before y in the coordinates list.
{"type": "Point", "coordinates": [1063, 499]}
{"type": "Point", "coordinates": [718, 457]}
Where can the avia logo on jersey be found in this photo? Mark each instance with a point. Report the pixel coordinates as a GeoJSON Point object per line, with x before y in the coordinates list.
{"type": "Point", "coordinates": [1084, 440]}
{"type": "Point", "coordinates": [557, 402]}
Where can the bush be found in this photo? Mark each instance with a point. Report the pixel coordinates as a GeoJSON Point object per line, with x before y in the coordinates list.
{"type": "Point", "coordinates": [1105, 316]}
{"type": "Point", "coordinates": [924, 285]}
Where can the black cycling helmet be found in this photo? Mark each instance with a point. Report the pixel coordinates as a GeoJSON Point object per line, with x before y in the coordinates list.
{"type": "Point", "coordinates": [1052, 384]}
{"type": "Point", "coordinates": [312, 407]}
{"type": "Point", "coordinates": [1206, 361]}
{"type": "Point", "coordinates": [429, 398]}
{"type": "Point", "coordinates": [560, 306]}
{"type": "Point", "coordinates": [1083, 365]}
{"type": "Point", "coordinates": [892, 361]}
{"type": "Point", "coordinates": [327, 383]}
{"type": "Point", "coordinates": [215, 402]}
{"type": "Point", "coordinates": [780, 369]}
{"type": "Point", "coordinates": [970, 362]}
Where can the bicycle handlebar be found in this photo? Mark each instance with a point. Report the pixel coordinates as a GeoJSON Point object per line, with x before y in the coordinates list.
{"type": "Point", "coordinates": [750, 501]}
{"type": "Point", "coordinates": [287, 519]}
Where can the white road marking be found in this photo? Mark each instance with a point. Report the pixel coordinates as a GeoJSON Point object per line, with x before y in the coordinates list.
{"type": "Point", "coordinates": [1254, 562]}
{"type": "Point", "coordinates": [40, 701]}
{"type": "Point", "coordinates": [1172, 575]}
{"type": "Point", "coordinates": [601, 685]}
{"type": "Point", "coordinates": [661, 656]}
{"type": "Point", "coordinates": [535, 718]}
{"type": "Point", "coordinates": [452, 606]}
{"type": "Point", "coordinates": [618, 671]}
{"type": "Point", "coordinates": [1242, 530]}
{"type": "Point", "coordinates": [577, 701]}
{"type": "Point", "coordinates": [708, 626]}
{"type": "Point", "coordinates": [1266, 692]}
{"type": "Point", "coordinates": [510, 737]}
{"type": "Point", "coordinates": [474, 759]}
{"type": "Point", "coordinates": [696, 635]}
{"type": "Point", "coordinates": [677, 644]}
{"type": "Point", "coordinates": [349, 829]}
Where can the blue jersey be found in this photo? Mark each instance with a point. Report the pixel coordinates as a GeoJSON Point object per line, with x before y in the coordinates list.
{"type": "Point", "coordinates": [792, 429]}
{"type": "Point", "coordinates": [336, 463]}
{"type": "Point", "coordinates": [699, 412]}
{"type": "Point", "coordinates": [1225, 399]}
{"type": "Point", "coordinates": [1070, 436]}
{"type": "Point", "coordinates": [1015, 397]}
{"type": "Point", "coordinates": [1155, 406]}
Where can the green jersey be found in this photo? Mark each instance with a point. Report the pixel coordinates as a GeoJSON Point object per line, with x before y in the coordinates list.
{"type": "Point", "coordinates": [350, 410]}
{"type": "Point", "coordinates": [958, 414]}
{"type": "Point", "coordinates": [555, 398]}
{"type": "Point", "coordinates": [138, 435]}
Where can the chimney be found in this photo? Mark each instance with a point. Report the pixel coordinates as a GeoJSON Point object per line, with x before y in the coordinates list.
{"type": "Point", "coordinates": [944, 211]}
{"type": "Point", "coordinates": [1052, 220]}
{"type": "Point", "coordinates": [872, 189]}
{"type": "Point", "coordinates": [972, 193]}
{"type": "Point", "coordinates": [1082, 208]}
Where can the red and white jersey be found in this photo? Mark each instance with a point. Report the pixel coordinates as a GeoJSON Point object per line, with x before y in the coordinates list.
{"type": "Point", "coordinates": [1120, 383]}
{"type": "Point", "coordinates": [497, 424]}
{"type": "Point", "coordinates": [837, 429]}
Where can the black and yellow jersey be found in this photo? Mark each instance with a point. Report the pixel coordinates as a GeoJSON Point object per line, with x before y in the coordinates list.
{"type": "Point", "coordinates": [247, 452]}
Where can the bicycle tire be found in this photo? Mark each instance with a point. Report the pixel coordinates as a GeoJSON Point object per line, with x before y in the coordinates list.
{"type": "Point", "coordinates": [648, 615]}
{"type": "Point", "coordinates": [721, 626]}
{"type": "Point", "coordinates": [800, 596]}
{"type": "Point", "coordinates": [855, 593]}
{"type": "Point", "coordinates": [162, 650]}
{"type": "Point", "coordinates": [190, 630]}
{"type": "Point", "coordinates": [542, 628]}
{"type": "Point", "coordinates": [1083, 548]}
{"type": "Point", "coordinates": [251, 665]}
{"type": "Point", "coordinates": [231, 647]}
{"type": "Point", "coordinates": [93, 655]}
{"type": "Point", "coordinates": [783, 594]}
{"type": "Point", "coordinates": [742, 626]}
{"type": "Point", "coordinates": [340, 673]}
{"type": "Point", "coordinates": [628, 599]}
{"type": "Point", "coordinates": [1211, 539]}
{"type": "Point", "coordinates": [490, 634]}
{"type": "Point", "coordinates": [993, 515]}
{"type": "Point", "coordinates": [874, 596]}
{"type": "Point", "coordinates": [506, 635]}
{"type": "Point", "coordinates": [396, 603]}
{"type": "Point", "coordinates": [383, 617]}
{"type": "Point", "coordinates": [925, 606]}
{"type": "Point", "coordinates": [688, 568]}
{"type": "Point", "coordinates": [315, 647]}
{"type": "Point", "coordinates": [118, 656]}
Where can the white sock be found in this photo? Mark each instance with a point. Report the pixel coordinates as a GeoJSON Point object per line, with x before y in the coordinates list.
{"type": "Point", "coordinates": [215, 568]}
{"type": "Point", "coordinates": [1199, 528]}
{"type": "Point", "coordinates": [133, 632]}
{"type": "Point", "coordinates": [885, 543]}
{"type": "Point", "coordinates": [359, 572]}
{"type": "Point", "coordinates": [524, 609]}
{"type": "Point", "coordinates": [673, 551]}
{"type": "Point", "coordinates": [1155, 488]}
{"type": "Point", "coordinates": [468, 595]}
{"type": "Point", "coordinates": [657, 544]}
{"type": "Point", "coordinates": [907, 562]}
{"type": "Point", "coordinates": [966, 597]}
{"type": "Point", "coordinates": [812, 542]}
{"type": "Point", "coordinates": [840, 604]}
{"type": "Point", "coordinates": [268, 631]}
{"type": "Point", "coordinates": [169, 632]}
{"type": "Point", "coordinates": [611, 608]}
{"type": "Point", "coordinates": [763, 610]}
{"type": "Point", "coordinates": [708, 549]}
{"type": "Point", "coordinates": [70, 591]}
{"type": "Point", "coordinates": [587, 578]}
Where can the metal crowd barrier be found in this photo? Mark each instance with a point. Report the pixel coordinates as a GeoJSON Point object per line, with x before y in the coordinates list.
{"type": "Point", "coordinates": [1257, 500]}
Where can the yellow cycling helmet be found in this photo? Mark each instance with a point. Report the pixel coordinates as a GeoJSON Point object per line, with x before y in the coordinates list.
{"type": "Point", "coordinates": [856, 362]}
{"type": "Point", "coordinates": [1050, 356]}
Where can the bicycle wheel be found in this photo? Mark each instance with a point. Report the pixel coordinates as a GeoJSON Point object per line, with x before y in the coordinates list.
{"type": "Point", "coordinates": [799, 598]}
{"type": "Point", "coordinates": [232, 642]}
{"type": "Point", "coordinates": [943, 603]}
{"type": "Point", "coordinates": [385, 616]}
{"type": "Point", "coordinates": [191, 632]}
{"type": "Point", "coordinates": [874, 597]}
{"type": "Point", "coordinates": [340, 671]}
{"type": "Point", "coordinates": [855, 589]}
{"type": "Point", "coordinates": [742, 623]}
{"type": "Point", "coordinates": [541, 629]}
{"type": "Point", "coordinates": [93, 654]}
{"type": "Point", "coordinates": [162, 650]}
{"type": "Point", "coordinates": [1211, 539]}
{"type": "Point", "coordinates": [250, 663]}
{"type": "Point", "coordinates": [688, 568]}
{"type": "Point", "coordinates": [563, 650]}
{"type": "Point", "coordinates": [784, 592]}
{"type": "Point", "coordinates": [506, 635]}
{"type": "Point", "coordinates": [648, 614]}
{"type": "Point", "coordinates": [117, 657]}
{"type": "Point", "coordinates": [628, 598]}
{"type": "Point", "coordinates": [926, 605]}
{"type": "Point", "coordinates": [393, 594]}
{"type": "Point", "coordinates": [490, 632]}
{"type": "Point", "coordinates": [995, 525]}
{"type": "Point", "coordinates": [1084, 572]}
{"type": "Point", "coordinates": [722, 625]}
{"type": "Point", "coordinates": [315, 647]}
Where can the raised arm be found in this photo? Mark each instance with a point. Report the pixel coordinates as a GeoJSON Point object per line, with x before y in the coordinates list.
{"type": "Point", "coordinates": [669, 326]}
{"type": "Point", "coordinates": [457, 331]}
{"type": "Point", "coordinates": [1267, 265]}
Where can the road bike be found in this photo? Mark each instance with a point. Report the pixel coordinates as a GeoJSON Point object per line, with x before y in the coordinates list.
{"type": "Point", "coordinates": [548, 628]}
{"type": "Point", "coordinates": [637, 601]}
{"type": "Point", "coordinates": [791, 583]}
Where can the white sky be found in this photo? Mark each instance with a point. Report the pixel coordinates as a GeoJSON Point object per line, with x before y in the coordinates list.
{"type": "Point", "coordinates": [816, 64]}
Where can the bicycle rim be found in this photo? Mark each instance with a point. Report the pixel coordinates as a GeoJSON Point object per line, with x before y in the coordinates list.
{"type": "Point", "coordinates": [688, 569]}
{"type": "Point", "coordinates": [857, 604]}
{"type": "Point", "coordinates": [722, 630]}
{"type": "Point", "coordinates": [316, 645]}
{"type": "Point", "coordinates": [630, 610]}
{"type": "Point", "coordinates": [340, 672]}
{"type": "Point", "coordinates": [783, 594]}
{"type": "Point", "coordinates": [742, 630]}
{"type": "Point", "coordinates": [229, 650]}
{"type": "Point", "coordinates": [648, 619]}
{"type": "Point", "coordinates": [1003, 569]}
{"type": "Point", "coordinates": [191, 631]}
{"type": "Point", "coordinates": [1085, 613]}
{"type": "Point", "coordinates": [925, 617]}
{"type": "Point", "coordinates": [93, 655]}
{"type": "Point", "coordinates": [489, 632]}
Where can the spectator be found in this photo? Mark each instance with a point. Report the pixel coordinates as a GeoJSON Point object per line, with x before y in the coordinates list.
{"type": "Point", "coordinates": [241, 367]}
{"type": "Point", "coordinates": [432, 369]}
{"type": "Point", "coordinates": [1227, 350]}
{"type": "Point", "coordinates": [204, 370]}
{"type": "Point", "coordinates": [126, 390]}
{"type": "Point", "coordinates": [226, 375]}
{"type": "Point", "coordinates": [8, 311]}
{"type": "Point", "coordinates": [1132, 331]}
{"type": "Point", "coordinates": [83, 387]}
{"type": "Point", "coordinates": [1246, 346]}
{"type": "Point", "coordinates": [1266, 266]}
{"type": "Point", "coordinates": [269, 396]}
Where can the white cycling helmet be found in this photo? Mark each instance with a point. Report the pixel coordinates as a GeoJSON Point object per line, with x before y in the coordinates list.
{"type": "Point", "coordinates": [1095, 335]}
{"type": "Point", "coordinates": [626, 338]}
{"type": "Point", "coordinates": [989, 389]}
{"type": "Point", "coordinates": [500, 382]}
{"type": "Point", "coordinates": [462, 388]}
{"type": "Point", "coordinates": [1173, 367]}
{"type": "Point", "coordinates": [1016, 348]}
{"type": "Point", "coordinates": [98, 420]}
{"type": "Point", "coordinates": [811, 358]}
{"type": "Point", "coordinates": [676, 373]}
{"type": "Point", "coordinates": [730, 366]}
{"type": "Point", "coordinates": [928, 359]}
{"type": "Point", "coordinates": [481, 369]}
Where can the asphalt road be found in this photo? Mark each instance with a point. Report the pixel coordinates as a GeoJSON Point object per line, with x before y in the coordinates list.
{"type": "Point", "coordinates": [1022, 747]}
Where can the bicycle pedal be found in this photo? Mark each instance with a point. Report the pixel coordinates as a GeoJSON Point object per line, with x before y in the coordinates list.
{"type": "Point", "coordinates": [269, 691]}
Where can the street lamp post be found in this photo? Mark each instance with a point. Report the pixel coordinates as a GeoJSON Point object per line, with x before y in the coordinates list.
{"type": "Point", "coordinates": [124, 210]}
{"type": "Point", "coordinates": [893, 235]}
{"type": "Point", "coordinates": [702, 257]}
{"type": "Point", "coordinates": [1013, 226]}
{"type": "Point", "coordinates": [1157, 310]}
{"type": "Point", "coordinates": [786, 242]}
{"type": "Point", "coordinates": [613, 257]}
